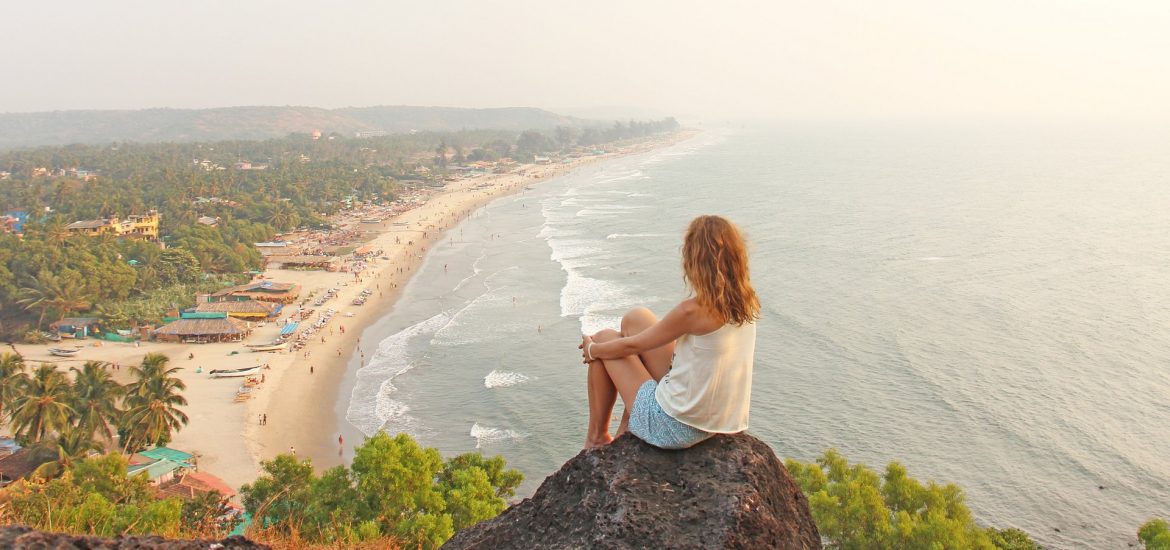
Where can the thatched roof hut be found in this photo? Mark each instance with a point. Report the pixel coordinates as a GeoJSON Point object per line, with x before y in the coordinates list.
{"type": "Point", "coordinates": [247, 309]}
{"type": "Point", "coordinates": [18, 465]}
{"type": "Point", "coordinates": [301, 261]}
{"type": "Point", "coordinates": [221, 329]}
{"type": "Point", "coordinates": [266, 291]}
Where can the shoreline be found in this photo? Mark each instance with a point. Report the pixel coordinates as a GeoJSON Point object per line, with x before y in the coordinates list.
{"type": "Point", "coordinates": [314, 431]}
{"type": "Point", "coordinates": [302, 406]}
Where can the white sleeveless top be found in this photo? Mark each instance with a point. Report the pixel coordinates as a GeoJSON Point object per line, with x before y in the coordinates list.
{"type": "Point", "coordinates": [709, 385]}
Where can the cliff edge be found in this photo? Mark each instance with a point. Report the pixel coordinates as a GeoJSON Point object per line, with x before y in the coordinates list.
{"type": "Point", "coordinates": [727, 492]}
{"type": "Point", "coordinates": [18, 537]}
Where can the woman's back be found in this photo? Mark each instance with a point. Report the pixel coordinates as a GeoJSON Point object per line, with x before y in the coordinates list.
{"type": "Point", "coordinates": [709, 385]}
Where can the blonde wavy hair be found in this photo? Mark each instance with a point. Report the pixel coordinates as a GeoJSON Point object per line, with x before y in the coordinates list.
{"type": "Point", "coordinates": [715, 266]}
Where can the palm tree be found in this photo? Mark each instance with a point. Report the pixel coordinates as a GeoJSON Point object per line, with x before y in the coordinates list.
{"type": "Point", "coordinates": [12, 379]}
{"type": "Point", "coordinates": [60, 453]}
{"type": "Point", "coordinates": [49, 291]}
{"type": "Point", "coordinates": [152, 403]}
{"type": "Point", "coordinates": [42, 406]}
{"type": "Point", "coordinates": [36, 296]}
{"type": "Point", "coordinates": [68, 298]}
{"type": "Point", "coordinates": [95, 395]}
{"type": "Point", "coordinates": [56, 231]}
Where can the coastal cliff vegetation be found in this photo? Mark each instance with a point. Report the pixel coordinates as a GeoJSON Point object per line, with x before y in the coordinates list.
{"type": "Point", "coordinates": [245, 191]}
{"type": "Point", "coordinates": [855, 507]}
{"type": "Point", "coordinates": [394, 489]}
{"type": "Point", "coordinates": [395, 493]}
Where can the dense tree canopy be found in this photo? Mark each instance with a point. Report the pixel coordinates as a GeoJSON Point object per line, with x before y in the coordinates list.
{"type": "Point", "coordinates": [252, 189]}
{"type": "Point", "coordinates": [394, 488]}
{"type": "Point", "coordinates": [856, 508]}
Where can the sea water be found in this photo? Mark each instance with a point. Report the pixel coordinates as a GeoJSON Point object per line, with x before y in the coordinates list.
{"type": "Point", "coordinates": [987, 305]}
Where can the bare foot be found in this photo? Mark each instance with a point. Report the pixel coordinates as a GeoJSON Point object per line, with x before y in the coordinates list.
{"type": "Point", "coordinates": [594, 442]}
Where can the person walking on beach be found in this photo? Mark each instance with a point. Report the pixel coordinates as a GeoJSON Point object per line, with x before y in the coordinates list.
{"type": "Point", "coordinates": [687, 376]}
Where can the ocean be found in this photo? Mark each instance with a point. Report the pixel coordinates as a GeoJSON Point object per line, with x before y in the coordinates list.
{"type": "Point", "coordinates": [986, 304]}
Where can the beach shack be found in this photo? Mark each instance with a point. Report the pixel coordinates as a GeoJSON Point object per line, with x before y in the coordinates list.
{"type": "Point", "coordinates": [264, 291]}
{"type": "Point", "coordinates": [248, 310]}
{"type": "Point", "coordinates": [76, 327]}
{"type": "Point", "coordinates": [301, 261]}
{"type": "Point", "coordinates": [192, 484]}
{"type": "Point", "coordinates": [157, 472]}
{"type": "Point", "coordinates": [160, 464]}
{"type": "Point", "coordinates": [167, 453]}
{"type": "Point", "coordinates": [200, 328]}
{"type": "Point", "coordinates": [18, 465]}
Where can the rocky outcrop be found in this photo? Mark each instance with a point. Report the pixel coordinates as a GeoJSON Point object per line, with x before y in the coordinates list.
{"type": "Point", "coordinates": [22, 538]}
{"type": "Point", "coordinates": [727, 492]}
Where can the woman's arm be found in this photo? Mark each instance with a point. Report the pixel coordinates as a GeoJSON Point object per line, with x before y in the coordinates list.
{"type": "Point", "coordinates": [681, 320]}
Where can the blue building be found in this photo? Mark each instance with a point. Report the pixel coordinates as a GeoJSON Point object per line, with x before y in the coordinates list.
{"type": "Point", "coordinates": [18, 217]}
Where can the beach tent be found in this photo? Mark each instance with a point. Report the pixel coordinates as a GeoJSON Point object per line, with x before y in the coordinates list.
{"type": "Point", "coordinates": [288, 329]}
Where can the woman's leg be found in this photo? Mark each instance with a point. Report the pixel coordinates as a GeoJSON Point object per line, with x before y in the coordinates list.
{"type": "Point", "coordinates": [657, 361]}
{"type": "Point", "coordinates": [607, 379]}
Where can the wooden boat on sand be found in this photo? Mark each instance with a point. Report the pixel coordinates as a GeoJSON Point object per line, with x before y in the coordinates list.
{"type": "Point", "coordinates": [64, 352]}
{"type": "Point", "coordinates": [274, 346]}
{"type": "Point", "coordinates": [235, 373]}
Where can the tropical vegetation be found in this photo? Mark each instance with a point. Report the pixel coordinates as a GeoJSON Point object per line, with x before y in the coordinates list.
{"type": "Point", "coordinates": [394, 489]}
{"type": "Point", "coordinates": [857, 508]}
{"type": "Point", "coordinates": [47, 273]}
{"type": "Point", "coordinates": [96, 496]}
{"type": "Point", "coordinates": [64, 420]}
{"type": "Point", "coordinates": [1155, 534]}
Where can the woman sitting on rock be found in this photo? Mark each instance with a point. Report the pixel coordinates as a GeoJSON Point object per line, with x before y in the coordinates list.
{"type": "Point", "coordinates": [688, 376]}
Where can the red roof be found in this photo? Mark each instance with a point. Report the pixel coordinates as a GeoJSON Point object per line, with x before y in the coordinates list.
{"type": "Point", "coordinates": [193, 483]}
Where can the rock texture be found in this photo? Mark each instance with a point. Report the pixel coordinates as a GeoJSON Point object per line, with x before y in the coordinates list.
{"type": "Point", "coordinates": [22, 538]}
{"type": "Point", "coordinates": [727, 492]}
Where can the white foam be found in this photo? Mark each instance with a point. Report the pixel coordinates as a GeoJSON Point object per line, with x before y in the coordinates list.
{"type": "Point", "coordinates": [613, 236]}
{"type": "Point", "coordinates": [485, 435]}
{"type": "Point", "coordinates": [497, 379]}
{"type": "Point", "coordinates": [627, 175]}
{"type": "Point", "coordinates": [370, 406]}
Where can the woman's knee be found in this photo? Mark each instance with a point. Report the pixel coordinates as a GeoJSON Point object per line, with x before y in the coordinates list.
{"type": "Point", "coordinates": [638, 319]}
{"type": "Point", "coordinates": [605, 335]}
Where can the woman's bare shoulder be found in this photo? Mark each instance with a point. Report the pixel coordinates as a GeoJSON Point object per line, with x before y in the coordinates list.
{"type": "Point", "coordinates": [698, 319]}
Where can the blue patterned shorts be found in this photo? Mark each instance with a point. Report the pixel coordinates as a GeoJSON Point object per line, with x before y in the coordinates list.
{"type": "Point", "coordinates": [651, 424]}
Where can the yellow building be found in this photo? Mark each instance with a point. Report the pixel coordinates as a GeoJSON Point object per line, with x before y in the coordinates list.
{"type": "Point", "coordinates": [142, 227]}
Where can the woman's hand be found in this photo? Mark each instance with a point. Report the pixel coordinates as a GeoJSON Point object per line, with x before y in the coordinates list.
{"type": "Point", "coordinates": [586, 341]}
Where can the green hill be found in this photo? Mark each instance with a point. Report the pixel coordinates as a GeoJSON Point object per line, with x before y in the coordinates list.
{"type": "Point", "coordinates": [249, 123]}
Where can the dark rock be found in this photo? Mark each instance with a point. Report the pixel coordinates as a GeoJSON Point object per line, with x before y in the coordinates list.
{"type": "Point", "coordinates": [18, 537]}
{"type": "Point", "coordinates": [727, 492]}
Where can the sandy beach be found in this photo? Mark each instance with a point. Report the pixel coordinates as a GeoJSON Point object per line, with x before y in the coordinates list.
{"type": "Point", "coordinates": [300, 386]}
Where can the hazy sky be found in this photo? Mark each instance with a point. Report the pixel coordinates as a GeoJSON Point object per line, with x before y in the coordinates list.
{"type": "Point", "coordinates": [783, 58]}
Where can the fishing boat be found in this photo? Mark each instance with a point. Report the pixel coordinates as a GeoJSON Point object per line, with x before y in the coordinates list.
{"type": "Point", "coordinates": [275, 346]}
{"type": "Point", "coordinates": [63, 352]}
{"type": "Point", "coordinates": [235, 373]}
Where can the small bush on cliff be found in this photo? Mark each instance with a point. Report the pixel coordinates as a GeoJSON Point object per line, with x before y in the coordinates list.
{"type": "Point", "coordinates": [95, 496]}
{"type": "Point", "coordinates": [394, 488]}
{"type": "Point", "coordinates": [1155, 534]}
{"type": "Point", "coordinates": [855, 508]}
